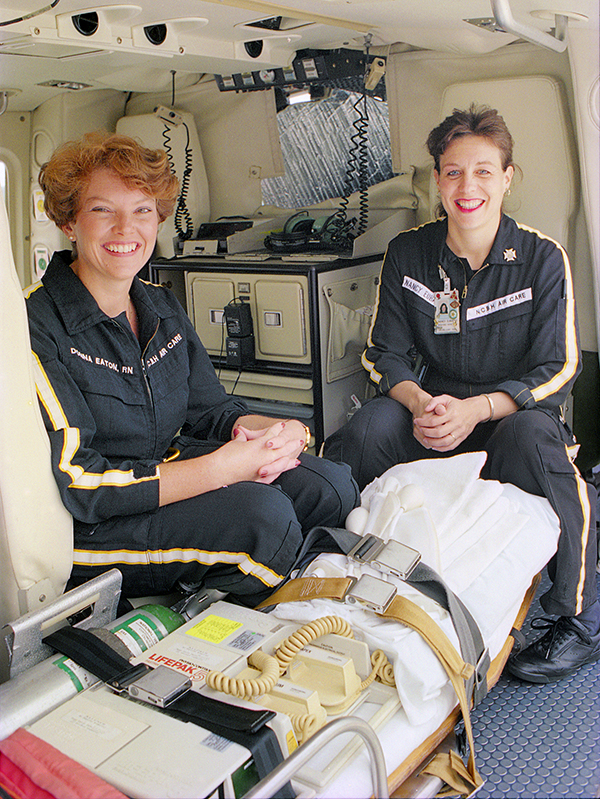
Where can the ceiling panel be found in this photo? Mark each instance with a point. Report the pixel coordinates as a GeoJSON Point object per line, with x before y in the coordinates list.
{"type": "Point", "coordinates": [211, 36]}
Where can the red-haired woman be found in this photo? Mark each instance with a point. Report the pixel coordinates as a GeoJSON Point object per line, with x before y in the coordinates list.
{"type": "Point", "coordinates": [123, 379]}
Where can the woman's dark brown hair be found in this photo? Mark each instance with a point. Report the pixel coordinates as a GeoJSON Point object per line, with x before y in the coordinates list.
{"type": "Point", "coordinates": [476, 121]}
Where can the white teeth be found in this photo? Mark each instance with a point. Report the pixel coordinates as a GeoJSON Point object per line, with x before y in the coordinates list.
{"type": "Point", "coordinates": [122, 248]}
{"type": "Point", "coordinates": [469, 204]}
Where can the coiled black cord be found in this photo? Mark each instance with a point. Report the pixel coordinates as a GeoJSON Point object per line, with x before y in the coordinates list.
{"type": "Point", "coordinates": [358, 162]}
{"type": "Point", "coordinates": [181, 212]}
{"type": "Point", "coordinates": [361, 143]}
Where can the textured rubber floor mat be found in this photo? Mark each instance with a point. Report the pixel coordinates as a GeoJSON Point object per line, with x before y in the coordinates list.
{"type": "Point", "coordinates": [540, 740]}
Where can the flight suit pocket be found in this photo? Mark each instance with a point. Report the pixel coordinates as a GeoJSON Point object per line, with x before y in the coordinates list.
{"type": "Point", "coordinates": [502, 338]}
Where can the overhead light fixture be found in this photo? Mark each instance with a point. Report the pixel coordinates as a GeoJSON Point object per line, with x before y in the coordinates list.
{"type": "Point", "coordinates": [299, 96]}
{"type": "Point", "coordinates": [254, 48]}
{"type": "Point", "coordinates": [165, 34]}
{"type": "Point", "coordinates": [486, 24]}
{"type": "Point", "coordinates": [87, 23]}
{"type": "Point", "coordinates": [156, 34]}
{"type": "Point", "coordinates": [280, 24]}
{"type": "Point", "coordinates": [66, 84]}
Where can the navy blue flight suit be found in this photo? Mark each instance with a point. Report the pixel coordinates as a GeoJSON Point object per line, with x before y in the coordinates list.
{"type": "Point", "coordinates": [518, 334]}
{"type": "Point", "coordinates": [114, 406]}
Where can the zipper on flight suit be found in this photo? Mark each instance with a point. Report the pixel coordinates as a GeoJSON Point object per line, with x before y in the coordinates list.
{"type": "Point", "coordinates": [142, 356]}
{"type": "Point", "coordinates": [463, 311]}
{"type": "Point", "coordinates": [147, 382]}
{"type": "Point", "coordinates": [144, 372]}
{"type": "Point", "coordinates": [463, 296]}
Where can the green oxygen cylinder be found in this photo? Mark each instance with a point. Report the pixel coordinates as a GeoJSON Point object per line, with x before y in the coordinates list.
{"type": "Point", "coordinates": [33, 693]}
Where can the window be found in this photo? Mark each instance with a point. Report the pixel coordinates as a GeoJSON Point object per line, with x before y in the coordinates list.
{"type": "Point", "coordinates": [319, 140]}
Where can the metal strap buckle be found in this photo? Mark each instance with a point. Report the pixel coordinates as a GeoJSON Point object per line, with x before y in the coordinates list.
{"type": "Point", "coordinates": [372, 592]}
{"type": "Point", "coordinates": [391, 557]}
{"type": "Point", "coordinates": [121, 682]}
{"type": "Point", "coordinates": [159, 687]}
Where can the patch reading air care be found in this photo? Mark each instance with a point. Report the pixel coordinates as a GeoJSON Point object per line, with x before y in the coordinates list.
{"type": "Point", "coordinates": [177, 339]}
{"type": "Point", "coordinates": [499, 304]}
{"type": "Point", "coordinates": [419, 289]}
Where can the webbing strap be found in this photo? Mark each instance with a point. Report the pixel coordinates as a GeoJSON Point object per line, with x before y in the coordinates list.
{"type": "Point", "coordinates": [469, 635]}
{"type": "Point", "coordinates": [406, 612]}
{"type": "Point", "coordinates": [88, 651]}
{"type": "Point", "coordinates": [242, 725]}
{"type": "Point", "coordinates": [449, 767]}
{"type": "Point", "coordinates": [428, 582]}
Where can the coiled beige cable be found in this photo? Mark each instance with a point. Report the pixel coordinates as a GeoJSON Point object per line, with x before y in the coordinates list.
{"type": "Point", "coordinates": [288, 649]}
{"type": "Point", "coordinates": [382, 670]}
{"type": "Point", "coordinates": [272, 667]}
{"type": "Point", "coordinates": [247, 688]}
{"type": "Point", "coordinates": [304, 725]}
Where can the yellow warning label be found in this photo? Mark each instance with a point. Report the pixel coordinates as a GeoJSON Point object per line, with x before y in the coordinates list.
{"type": "Point", "coordinates": [214, 629]}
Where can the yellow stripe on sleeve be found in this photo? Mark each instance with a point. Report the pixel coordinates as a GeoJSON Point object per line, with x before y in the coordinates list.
{"type": "Point", "coordinates": [71, 443]}
{"type": "Point", "coordinates": [569, 368]}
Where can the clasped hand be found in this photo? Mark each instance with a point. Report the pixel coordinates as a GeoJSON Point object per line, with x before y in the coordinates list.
{"type": "Point", "coordinates": [262, 455]}
{"type": "Point", "coordinates": [444, 422]}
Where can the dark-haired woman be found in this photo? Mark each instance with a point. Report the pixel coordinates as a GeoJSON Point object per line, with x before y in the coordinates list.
{"type": "Point", "coordinates": [497, 367]}
{"type": "Point", "coordinates": [124, 381]}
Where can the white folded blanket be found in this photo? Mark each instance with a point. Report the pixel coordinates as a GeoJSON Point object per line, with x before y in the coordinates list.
{"type": "Point", "coordinates": [486, 539]}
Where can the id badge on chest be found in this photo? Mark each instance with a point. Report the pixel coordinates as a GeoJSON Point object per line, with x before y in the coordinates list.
{"type": "Point", "coordinates": [447, 309]}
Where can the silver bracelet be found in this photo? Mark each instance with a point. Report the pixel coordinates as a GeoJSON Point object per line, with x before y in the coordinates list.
{"type": "Point", "coordinates": [491, 401]}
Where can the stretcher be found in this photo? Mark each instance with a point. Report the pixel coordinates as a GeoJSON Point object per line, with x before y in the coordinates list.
{"type": "Point", "coordinates": [488, 542]}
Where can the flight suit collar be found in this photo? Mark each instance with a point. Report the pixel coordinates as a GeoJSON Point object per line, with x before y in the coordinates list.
{"type": "Point", "coordinates": [506, 249]}
{"type": "Point", "coordinates": [77, 307]}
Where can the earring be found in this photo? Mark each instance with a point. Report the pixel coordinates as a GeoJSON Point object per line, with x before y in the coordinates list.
{"type": "Point", "coordinates": [507, 192]}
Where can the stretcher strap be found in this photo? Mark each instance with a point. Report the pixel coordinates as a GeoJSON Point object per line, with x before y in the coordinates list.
{"type": "Point", "coordinates": [244, 726]}
{"type": "Point", "coordinates": [411, 615]}
{"type": "Point", "coordinates": [87, 650]}
{"type": "Point", "coordinates": [426, 580]}
{"type": "Point", "coordinates": [450, 768]}
{"type": "Point", "coordinates": [406, 612]}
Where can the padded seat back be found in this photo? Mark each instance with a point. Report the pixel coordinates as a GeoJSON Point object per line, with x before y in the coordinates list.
{"type": "Point", "coordinates": [36, 531]}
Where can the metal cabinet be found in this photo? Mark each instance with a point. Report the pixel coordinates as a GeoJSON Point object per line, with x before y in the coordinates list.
{"type": "Point", "coordinates": [310, 319]}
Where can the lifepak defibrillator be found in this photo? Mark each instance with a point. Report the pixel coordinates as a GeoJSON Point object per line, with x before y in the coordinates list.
{"type": "Point", "coordinates": [249, 687]}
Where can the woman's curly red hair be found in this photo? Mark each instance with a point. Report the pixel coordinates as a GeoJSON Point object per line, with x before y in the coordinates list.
{"type": "Point", "coordinates": [66, 175]}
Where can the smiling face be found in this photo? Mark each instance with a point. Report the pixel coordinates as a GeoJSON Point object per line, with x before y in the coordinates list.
{"type": "Point", "coordinates": [472, 183]}
{"type": "Point", "coordinates": [115, 231]}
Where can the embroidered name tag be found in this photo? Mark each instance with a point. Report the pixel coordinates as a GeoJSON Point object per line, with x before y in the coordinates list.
{"type": "Point", "coordinates": [500, 304]}
{"type": "Point", "coordinates": [419, 289]}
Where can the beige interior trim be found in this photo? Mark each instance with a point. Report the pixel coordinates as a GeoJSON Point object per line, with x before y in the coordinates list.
{"type": "Point", "coordinates": [273, 10]}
